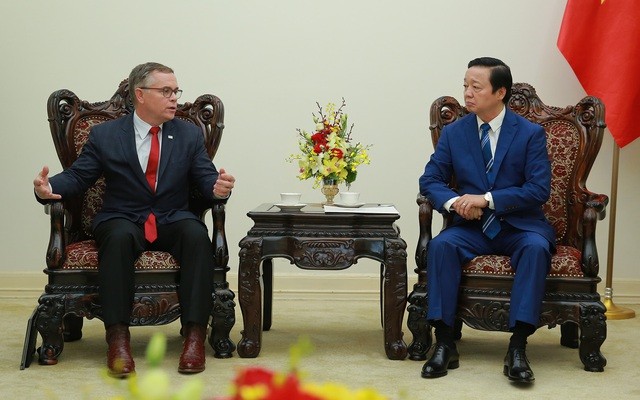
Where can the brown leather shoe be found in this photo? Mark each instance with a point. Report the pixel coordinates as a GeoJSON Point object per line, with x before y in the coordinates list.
{"type": "Point", "coordinates": [192, 359]}
{"type": "Point", "coordinates": [119, 359]}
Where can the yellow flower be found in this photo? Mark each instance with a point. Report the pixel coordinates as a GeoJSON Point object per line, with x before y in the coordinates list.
{"type": "Point", "coordinates": [255, 392]}
{"type": "Point", "coordinates": [334, 391]}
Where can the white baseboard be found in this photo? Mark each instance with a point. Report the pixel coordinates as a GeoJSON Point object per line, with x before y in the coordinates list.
{"type": "Point", "coordinates": [339, 285]}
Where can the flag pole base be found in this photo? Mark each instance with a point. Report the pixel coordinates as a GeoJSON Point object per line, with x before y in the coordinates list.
{"type": "Point", "coordinates": [613, 311]}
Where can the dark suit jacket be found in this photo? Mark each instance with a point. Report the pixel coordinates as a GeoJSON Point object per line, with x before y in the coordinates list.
{"type": "Point", "coordinates": [521, 184]}
{"type": "Point", "coordinates": [110, 150]}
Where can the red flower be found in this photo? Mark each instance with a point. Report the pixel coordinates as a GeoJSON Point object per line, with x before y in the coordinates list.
{"type": "Point", "coordinates": [319, 138]}
{"type": "Point", "coordinates": [278, 388]}
{"type": "Point", "coordinates": [253, 375]}
{"type": "Point", "coordinates": [337, 153]}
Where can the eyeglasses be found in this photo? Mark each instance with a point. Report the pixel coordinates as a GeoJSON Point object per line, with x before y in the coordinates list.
{"type": "Point", "coordinates": [166, 91]}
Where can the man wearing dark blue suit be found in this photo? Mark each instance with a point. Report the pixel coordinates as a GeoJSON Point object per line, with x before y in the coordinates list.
{"type": "Point", "coordinates": [148, 159]}
{"type": "Point", "coordinates": [503, 176]}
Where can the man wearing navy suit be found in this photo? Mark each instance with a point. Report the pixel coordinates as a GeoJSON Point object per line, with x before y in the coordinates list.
{"type": "Point", "coordinates": [501, 188]}
{"type": "Point", "coordinates": [148, 159]}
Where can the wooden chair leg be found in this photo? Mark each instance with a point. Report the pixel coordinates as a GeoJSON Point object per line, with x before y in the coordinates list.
{"type": "Point", "coordinates": [569, 335]}
{"type": "Point", "coordinates": [593, 332]}
{"type": "Point", "coordinates": [49, 316]}
{"type": "Point", "coordinates": [418, 324]}
{"type": "Point", "coordinates": [223, 320]}
{"type": "Point", "coordinates": [72, 327]}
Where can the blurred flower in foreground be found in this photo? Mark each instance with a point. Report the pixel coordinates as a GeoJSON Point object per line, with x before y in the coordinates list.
{"type": "Point", "coordinates": [257, 383]}
{"type": "Point", "coordinates": [251, 383]}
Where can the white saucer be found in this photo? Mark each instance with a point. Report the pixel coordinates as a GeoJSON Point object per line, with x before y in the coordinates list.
{"type": "Point", "coordinates": [355, 205]}
{"type": "Point", "coordinates": [290, 207]}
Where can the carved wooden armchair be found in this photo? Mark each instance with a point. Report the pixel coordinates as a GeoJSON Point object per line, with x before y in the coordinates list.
{"type": "Point", "coordinates": [72, 257]}
{"type": "Point", "coordinates": [574, 136]}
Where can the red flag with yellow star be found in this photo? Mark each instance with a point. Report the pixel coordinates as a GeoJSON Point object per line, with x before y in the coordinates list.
{"type": "Point", "coordinates": [601, 41]}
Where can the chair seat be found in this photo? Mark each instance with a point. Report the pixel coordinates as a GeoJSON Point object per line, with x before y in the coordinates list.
{"type": "Point", "coordinates": [564, 263]}
{"type": "Point", "coordinates": [83, 255]}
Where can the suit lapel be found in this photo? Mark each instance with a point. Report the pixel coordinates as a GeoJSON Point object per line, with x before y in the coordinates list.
{"type": "Point", "coordinates": [472, 136]}
{"type": "Point", "coordinates": [168, 136]}
{"type": "Point", "coordinates": [507, 133]}
{"type": "Point", "coordinates": [128, 145]}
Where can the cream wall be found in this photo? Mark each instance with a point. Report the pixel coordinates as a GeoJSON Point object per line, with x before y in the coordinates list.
{"type": "Point", "coordinates": [270, 61]}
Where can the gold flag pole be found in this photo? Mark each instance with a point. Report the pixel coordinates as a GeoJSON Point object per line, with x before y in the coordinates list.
{"type": "Point", "coordinates": [613, 311]}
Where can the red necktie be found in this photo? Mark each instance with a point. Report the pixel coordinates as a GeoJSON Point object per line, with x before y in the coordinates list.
{"type": "Point", "coordinates": [150, 229]}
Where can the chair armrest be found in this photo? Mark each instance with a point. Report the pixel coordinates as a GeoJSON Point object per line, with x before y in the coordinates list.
{"type": "Point", "coordinates": [594, 211]}
{"type": "Point", "coordinates": [599, 203]}
{"type": "Point", "coordinates": [218, 236]}
{"type": "Point", "coordinates": [425, 217]}
{"type": "Point", "coordinates": [56, 249]}
{"type": "Point", "coordinates": [200, 205]}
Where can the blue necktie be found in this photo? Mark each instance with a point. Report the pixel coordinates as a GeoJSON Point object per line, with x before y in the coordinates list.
{"type": "Point", "coordinates": [490, 225]}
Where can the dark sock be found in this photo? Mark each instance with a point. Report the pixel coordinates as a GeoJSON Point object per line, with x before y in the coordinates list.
{"type": "Point", "coordinates": [521, 332]}
{"type": "Point", "coordinates": [444, 333]}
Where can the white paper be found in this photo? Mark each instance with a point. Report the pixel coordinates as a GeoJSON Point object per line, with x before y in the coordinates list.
{"type": "Point", "coordinates": [385, 209]}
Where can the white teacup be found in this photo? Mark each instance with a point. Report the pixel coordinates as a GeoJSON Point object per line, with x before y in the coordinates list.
{"type": "Point", "coordinates": [349, 198]}
{"type": "Point", "coordinates": [290, 198]}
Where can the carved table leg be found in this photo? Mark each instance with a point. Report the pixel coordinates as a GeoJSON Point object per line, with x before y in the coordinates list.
{"type": "Point", "coordinates": [49, 323]}
{"type": "Point", "coordinates": [395, 297]}
{"type": "Point", "coordinates": [417, 322]}
{"type": "Point", "coordinates": [223, 319]}
{"type": "Point", "coordinates": [381, 297]}
{"type": "Point", "coordinates": [593, 332]}
{"type": "Point", "coordinates": [249, 294]}
{"type": "Point", "coordinates": [267, 296]}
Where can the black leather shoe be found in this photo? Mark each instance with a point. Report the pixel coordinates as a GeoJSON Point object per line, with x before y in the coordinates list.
{"type": "Point", "coordinates": [442, 359]}
{"type": "Point", "coordinates": [516, 366]}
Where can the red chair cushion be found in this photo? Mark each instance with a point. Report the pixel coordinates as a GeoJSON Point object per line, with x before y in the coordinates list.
{"type": "Point", "coordinates": [84, 255]}
{"type": "Point", "coordinates": [566, 262]}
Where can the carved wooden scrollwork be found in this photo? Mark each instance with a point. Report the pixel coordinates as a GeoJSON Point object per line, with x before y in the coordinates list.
{"type": "Point", "coordinates": [593, 332]}
{"type": "Point", "coordinates": [485, 314]}
{"type": "Point", "coordinates": [323, 253]}
{"type": "Point", "coordinates": [417, 323]}
{"type": "Point", "coordinates": [155, 310]}
{"type": "Point", "coordinates": [49, 315]}
{"type": "Point", "coordinates": [223, 320]}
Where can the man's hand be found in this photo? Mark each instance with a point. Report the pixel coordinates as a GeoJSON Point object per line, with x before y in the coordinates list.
{"type": "Point", "coordinates": [224, 184]}
{"type": "Point", "coordinates": [42, 187]}
{"type": "Point", "coordinates": [469, 206]}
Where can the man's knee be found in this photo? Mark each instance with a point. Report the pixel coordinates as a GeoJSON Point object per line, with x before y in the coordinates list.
{"type": "Point", "coordinates": [537, 247]}
{"type": "Point", "coordinates": [193, 233]}
{"type": "Point", "coordinates": [117, 231]}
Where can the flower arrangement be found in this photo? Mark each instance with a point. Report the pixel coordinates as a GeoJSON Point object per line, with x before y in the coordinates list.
{"type": "Point", "coordinates": [328, 153]}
